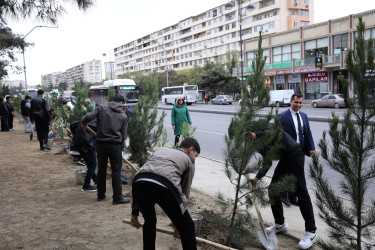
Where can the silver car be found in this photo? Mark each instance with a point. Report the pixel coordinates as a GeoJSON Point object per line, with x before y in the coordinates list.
{"type": "Point", "coordinates": [222, 99]}
{"type": "Point", "coordinates": [329, 101]}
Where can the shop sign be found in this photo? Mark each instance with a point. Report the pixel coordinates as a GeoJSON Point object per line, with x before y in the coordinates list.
{"type": "Point", "coordinates": [278, 79]}
{"type": "Point", "coordinates": [270, 73]}
{"type": "Point", "coordinates": [304, 70]}
{"type": "Point", "coordinates": [294, 78]}
{"type": "Point", "coordinates": [370, 73]}
{"type": "Point", "coordinates": [316, 77]}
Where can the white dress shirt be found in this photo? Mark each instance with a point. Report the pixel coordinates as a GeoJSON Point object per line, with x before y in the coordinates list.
{"type": "Point", "coordinates": [296, 122]}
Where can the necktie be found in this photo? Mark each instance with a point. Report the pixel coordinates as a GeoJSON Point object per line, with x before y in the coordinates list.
{"type": "Point", "coordinates": [300, 133]}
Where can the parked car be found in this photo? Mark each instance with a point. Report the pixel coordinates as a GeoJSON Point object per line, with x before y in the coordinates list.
{"type": "Point", "coordinates": [329, 101]}
{"type": "Point", "coordinates": [222, 99]}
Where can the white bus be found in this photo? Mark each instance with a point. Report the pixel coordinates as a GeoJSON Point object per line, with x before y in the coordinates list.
{"type": "Point", "coordinates": [125, 87]}
{"type": "Point", "coordinates": [32, 93]}
{"type": "Point", "coordinates": [98, 95]}
{"type": "Point", "coordinates": [188, 92]}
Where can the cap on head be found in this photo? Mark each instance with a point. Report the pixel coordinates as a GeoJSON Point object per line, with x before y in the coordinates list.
{"type": "Point", "coordinates": [118, 98]}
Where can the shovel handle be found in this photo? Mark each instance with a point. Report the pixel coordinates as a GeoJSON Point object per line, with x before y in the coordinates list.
{"type": "Point", "coordinates": [254, 201]}
{"type": "Point", "coordinates": [200, 240]}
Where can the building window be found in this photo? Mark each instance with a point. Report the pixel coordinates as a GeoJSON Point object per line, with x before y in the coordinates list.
{"type": "Point", "coordinates": [304, 13]}
{"type": "Point", "coordinates": [304, 23]}
{"type": "Point", "coordinates": [286, 53]}
{"type": "Point", "coordinates": [295, 24]}
{"type": "Point", "coordinates": [292, 13]}
{"type": "Point", "coordinates": [340, 43]}
{"type": "Point", "coordinates": [315, 47]}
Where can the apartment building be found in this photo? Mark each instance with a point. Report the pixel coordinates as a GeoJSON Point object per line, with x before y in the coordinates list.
{"type": "Point", "coordinates": [88, 72]}
{"type": "Point", "coordinates": [292, 56]}
{"type": "Point", "coordinates": [209, 35]}
{"type": "Point", "coordinates": [109, 70]}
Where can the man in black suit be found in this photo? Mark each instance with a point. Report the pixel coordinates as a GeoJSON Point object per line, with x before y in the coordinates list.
{"type": "Point", "coordinates": [40, 115]}
{"type": "Point", "coordinates": [296, 124]}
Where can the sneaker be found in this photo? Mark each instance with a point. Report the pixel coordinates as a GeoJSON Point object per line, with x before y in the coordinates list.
{"type": "Point", "coordinates": [89, 189]}
{"type": "Point", "coordinates": [47, 146]}
{"type": "Point", "coordinates": [31, 136]}
{"type": "Point", "coordinates": [278, 228]}
{"type": "Point", "coordinates": [308, 240]}
{"type": "Point", "coordinates": [101, 197]}
{"type": "Point", "coordinates": [81, 162]}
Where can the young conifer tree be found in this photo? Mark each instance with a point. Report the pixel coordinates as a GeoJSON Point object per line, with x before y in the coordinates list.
{"type": "Point", "coordinates": [241, 158]}
{"type": "Point", "coordinates": [144, 130]}
{"type": "Point", "coordinates": [351, 155]}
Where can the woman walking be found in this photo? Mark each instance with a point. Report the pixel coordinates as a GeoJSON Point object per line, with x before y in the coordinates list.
{"type": "Point", "coordinates": [180, 115]}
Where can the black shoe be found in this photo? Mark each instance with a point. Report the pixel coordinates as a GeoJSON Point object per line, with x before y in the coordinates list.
{"type": "Point", "coordinates": [122, 201]}
{"type": "Point", "coordinates": [47, 146]}
{"type": "Point", "coordinates": [31, 136]}
{"type": "Point", "coordinates": [42, 148]}
{"type": "Point", "coordinates": [101, 197]}
{"type": "Point", "coordinates": [285, 200]}
{"type": "Point", "coordinates": [294, 201]}
{"type": "Point", "coordinates": [89, 189]}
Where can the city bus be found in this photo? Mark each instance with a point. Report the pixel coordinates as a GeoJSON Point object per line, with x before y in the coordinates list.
{"type": "Point", "coordinates": [98, 95]}
{"type": "Point", "coordinates": [32, 93]}
{"type": "Point", "coordinates": [125, 87]}
{"type": "Point", "coordinates": [188, 92]}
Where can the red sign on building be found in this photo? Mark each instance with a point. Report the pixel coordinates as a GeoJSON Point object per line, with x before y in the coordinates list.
{"type": "Point", "coordinates": [316, 77]}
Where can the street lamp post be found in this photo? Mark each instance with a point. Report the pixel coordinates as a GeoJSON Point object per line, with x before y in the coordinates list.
{"type": "Point", "coordinates": [250, 7]}
{"type": "Point", "coordinates": [23, 50]}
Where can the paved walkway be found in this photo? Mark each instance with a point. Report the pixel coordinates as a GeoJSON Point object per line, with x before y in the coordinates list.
{"type": "Point", "coordinates": [211, 179]}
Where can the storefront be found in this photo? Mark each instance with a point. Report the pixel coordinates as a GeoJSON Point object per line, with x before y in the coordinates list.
{"type": "Point", "coordinates": [278, 82]}
{"type": "Point", "coordinates": [338, 78]}
{"type": "Point", "coordinates": [316, 85]}
{"type": "Point", "coordinates": [294, 82]}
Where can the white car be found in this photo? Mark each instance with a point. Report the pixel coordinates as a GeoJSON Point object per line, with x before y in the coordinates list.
{"type": "Point", "coordinates": [222, 99]}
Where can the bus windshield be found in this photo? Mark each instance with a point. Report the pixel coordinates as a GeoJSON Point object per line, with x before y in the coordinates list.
{"type": "Point", "coordinates": [130, 93]}
{"type": "Point", "coordinates": [32, 93]}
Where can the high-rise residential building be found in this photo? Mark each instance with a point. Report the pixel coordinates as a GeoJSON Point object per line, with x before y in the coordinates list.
{"type": "Point", "coordinates": [209, 35]}
{"type": "Point", "coordinates": [88, 72]}
{"type": "Point", "coordinates": [109, 69]}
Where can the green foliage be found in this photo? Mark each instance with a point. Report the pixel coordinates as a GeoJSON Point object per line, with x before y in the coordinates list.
{"type": "Point", "coordinates": [144, 130]}
{"type": "Point", "coordinates": [349, 152]}
{"type": "Point", "coordinates": [186, 131]}
{"type": "Point", "coordinates": [81, 105]}
{"type": "Point", "coordinates": [17, 103]}
{"type": "Point", "coordinates": [111, 94]}
{"type": "Point", "coordinates": [240, 152]}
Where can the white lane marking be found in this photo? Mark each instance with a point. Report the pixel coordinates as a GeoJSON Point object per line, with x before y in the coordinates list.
{"type": "Point", "coordinates": [203, 131]}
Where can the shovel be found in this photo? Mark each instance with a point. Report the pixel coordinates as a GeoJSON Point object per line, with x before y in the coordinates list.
{"type": "Point", "coordinates": [269, 241]}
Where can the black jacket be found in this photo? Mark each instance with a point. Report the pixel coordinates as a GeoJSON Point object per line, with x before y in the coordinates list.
{"type": "Point", "coordinates": [10, 107]}
{"type": "Point", "coordinates": [111, 123]}
{"type": "Point", "coordinates": [39, 107]}
{"type": "Point", "coordinates": [25, 110]}
{"type": "Point", "coordinates": [83, 139]}
{"type": "Point", "coordinates": [3, 109]}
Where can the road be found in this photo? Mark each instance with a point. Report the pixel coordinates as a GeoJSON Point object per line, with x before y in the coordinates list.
{"type": "Point", "coordinates": [212, 127]}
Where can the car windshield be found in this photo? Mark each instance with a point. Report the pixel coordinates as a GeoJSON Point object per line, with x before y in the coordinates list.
{"type": "Point", "coordinates": [228, 96]}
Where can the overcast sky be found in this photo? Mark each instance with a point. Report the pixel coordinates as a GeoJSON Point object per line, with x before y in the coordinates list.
{"type": "Point", "coordinates": [84, 36]}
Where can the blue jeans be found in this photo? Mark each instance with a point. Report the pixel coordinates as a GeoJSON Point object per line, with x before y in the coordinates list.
{"type": "Point", "coordinates": [90, 159]}
{"type": "Point", "coordinates": [27, 124]}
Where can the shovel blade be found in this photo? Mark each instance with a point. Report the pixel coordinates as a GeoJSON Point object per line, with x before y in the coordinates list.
{"type": "Point", "coordinates": [269, 241]}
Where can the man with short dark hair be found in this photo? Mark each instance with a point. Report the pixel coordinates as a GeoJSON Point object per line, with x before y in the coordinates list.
{"type": "Point", "coordinates": [25, 111]}
{"type": "Point", "coordinates": [40, 115]}
{"type": "Point", "coordinates": [4, 115]}
{"type": "Point", "coordinates": [165, 179]}
{"type": "Point", "coordinates": [111, 134]}
{"type": "Point", "coordinates": [10, 106]}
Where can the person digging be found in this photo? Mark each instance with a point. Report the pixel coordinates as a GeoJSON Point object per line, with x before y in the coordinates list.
{"type": "Point", "coordinates": [291, 162]}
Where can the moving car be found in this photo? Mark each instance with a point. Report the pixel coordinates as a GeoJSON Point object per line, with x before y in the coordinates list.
{"type": "Point", "coordinates": [222, 99]}
{"type": "Point", "coordinates": [329, 101]}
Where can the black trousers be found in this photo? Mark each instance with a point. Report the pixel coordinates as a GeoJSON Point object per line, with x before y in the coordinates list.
{"type": "Point", "coordinates": [4, 123]}
{"type": "Point", "coordinates": [42, 127]}
{"type": "Point", "coordinates": [293, 165]}
{"type": "Point", "coordinates": [114, 153]}
{"type": "Point", "coordinates": [10, 121]}
{"type": "Point", "coordinates": [147, 194]}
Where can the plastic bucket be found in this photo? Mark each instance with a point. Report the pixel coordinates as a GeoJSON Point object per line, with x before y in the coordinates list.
{"type": "Point", "coordinates": [80, 176]}
{"type": "Point", "coordinates": [50, 142]}
{"type": "Point", "coordinates": [197, 219]}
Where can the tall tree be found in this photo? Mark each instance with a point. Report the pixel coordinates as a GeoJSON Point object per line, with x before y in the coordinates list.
{"type": "Point", "coordinates": [43, 10]}
{"type": "Point", "coordinates": [144, 130]}
{"type": "Point", "coordinates": [240, 152]}
{"type": "Point", "coordinates": [351, 155]}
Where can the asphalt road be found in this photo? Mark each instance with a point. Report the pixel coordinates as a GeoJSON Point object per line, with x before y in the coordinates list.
{"type": "Point", "coordinates": [212, 125]}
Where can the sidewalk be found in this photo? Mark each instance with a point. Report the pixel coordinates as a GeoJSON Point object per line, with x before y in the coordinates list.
{"type": "Point", "coordinates": [211, 179]}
